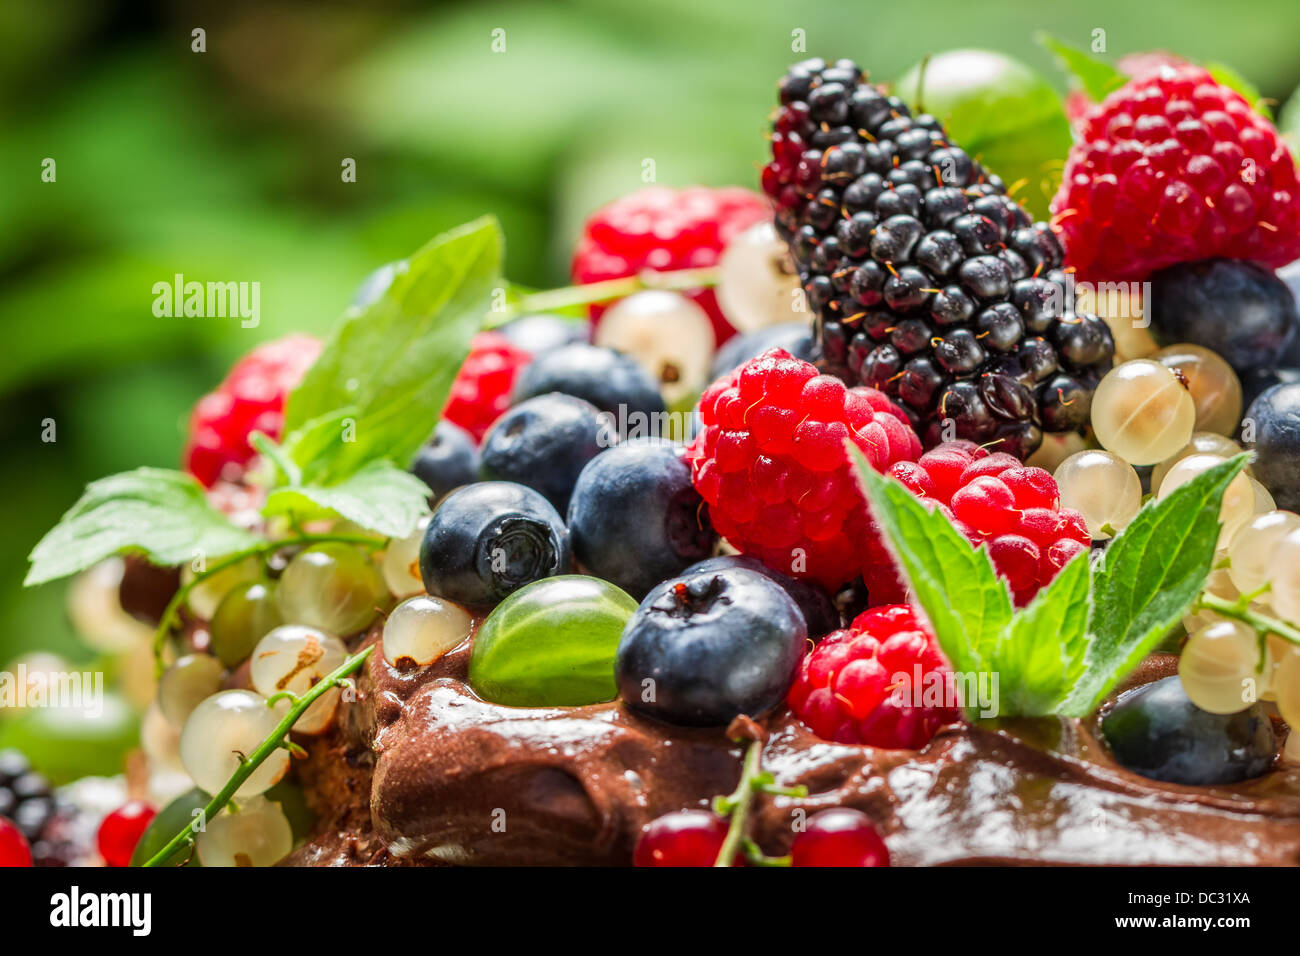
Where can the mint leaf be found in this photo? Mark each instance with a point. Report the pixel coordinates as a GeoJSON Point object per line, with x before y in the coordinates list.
{"type": "Point", "coordinates": [955, 585]}
{"type": "Point", "coordinates": [385, 371]}
{"type": "Point", "coordinates": [1096, 77]}
{"type": "Point", "coordinates": [380, 497]}
{"type": "Point", "coordinates": [163, 514]}
{"type": "Point", "coordinates": [1151, 575]}
{"type": "Point", "coordinates": [1235, 81]}
{"type": "Point", "coordinates": [1041, 653]}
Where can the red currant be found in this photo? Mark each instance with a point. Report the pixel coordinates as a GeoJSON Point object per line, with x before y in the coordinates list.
{"type": "Point", "coordinates": [684, 838]}
{"type": "Point", "coordinates": [14, 850]}
{"type": "Point", "coordinates": [839, 837]}
{"type": "Point", "coordinates": [121, 831]}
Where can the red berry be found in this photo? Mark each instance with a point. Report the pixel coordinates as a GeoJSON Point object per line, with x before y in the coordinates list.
{"type": "Point", "coordinates": [661, 228]}
{"type": "Point", "coordinates": [872, 684]}
{"type": "Point", "coordinates": [1174, 167]}
{"type": "Point", "coordinates": [770, 461]}
{"type": "Point", "coordinates": [14, 850]}
{"type": "Point", "coordinates": [121, 831]}
{"type": "Point", "coordinates": [251, 398]}
{"type": "Point", "coordinates": [839, 837]}
{"type": "Point", "coordinates": [684, 838]}
{"type": "Point", "coordinates": [995, 500]}
{"type": "Point", "coordinates": [481, 391]}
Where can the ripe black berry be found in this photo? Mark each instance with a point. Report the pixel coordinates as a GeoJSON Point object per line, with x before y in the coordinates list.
{"type": "Point", "coordinates": [925, 279]}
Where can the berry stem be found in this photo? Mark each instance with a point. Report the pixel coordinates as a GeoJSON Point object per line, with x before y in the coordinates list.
{"type": "Point", "coordinates": [171, 614]}
{"type": "Point", "coordinates": [275, 740]}
{"type": "Point", "coordinates": [1240, 610]}
{"type": "Point", "coordinates": [594, 292]}
{"type": "Point", "coordinates": [736, 805]}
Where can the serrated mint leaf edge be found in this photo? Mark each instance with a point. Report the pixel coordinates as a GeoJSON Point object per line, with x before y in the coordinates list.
{"type": "Point", "coordinates": [1102, 673]}
{"type": "Point", "coordinates": [380, 497]}
{"type": "Point", "coordinates": [967, 632]}
{"type": "Point", "coordinates": [84, 536]}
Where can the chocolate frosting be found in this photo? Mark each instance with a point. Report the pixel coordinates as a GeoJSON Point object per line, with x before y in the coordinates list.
{"type": "Point", "coordinates": [459, 780]}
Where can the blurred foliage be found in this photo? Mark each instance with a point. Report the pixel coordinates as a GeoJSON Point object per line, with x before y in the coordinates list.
{"type": "Point", "coordinates": [226, 165]}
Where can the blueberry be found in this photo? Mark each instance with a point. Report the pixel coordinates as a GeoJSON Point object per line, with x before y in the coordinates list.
{"type": "Point", "coordinates": [705, 647]}
{"type": "Point", "coordinates": [1239, 309]}
{"type": "Point", "coordinates": [612, 382]}
{"type": "Point", "coordinates": [1275, 419]}
{"type": "Point", "coordinates": [543, 333]}
{"type": "Point", "coordinates": [448, 460]}
{"type": "Point", "coordinates": [1155, 731]}
{"type": "Point", "coordinates": [794, 337]}
{"type": "Point", "coordinates": [636, 519]}
{"type": "Point", "coordinates": [1257, 381]}
{"type": "Point", "coordinates": [489, 539]}
{"type": "Point", "coordinates": [814, 603]}
{"type": "Point", "coordinates": [544, 443]}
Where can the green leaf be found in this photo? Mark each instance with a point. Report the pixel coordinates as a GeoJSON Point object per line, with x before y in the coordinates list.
{"type": "Point", "coordinates": [967, 604]}
{"type": "Point", "coordinates": [162, 514]}
{"type": "Point", "coordinates": [1235, 81]}
{"type": "Point", "coordinates": [1096, 77]}
{"type": "Point", "coordinates": [1151, 575]}
{"type": "Point", "coordinates": [1041, 653]}
{"type": "Point", "coordinates": [380, 497]}
{"type": "Point", "coordinates": [390, 366]}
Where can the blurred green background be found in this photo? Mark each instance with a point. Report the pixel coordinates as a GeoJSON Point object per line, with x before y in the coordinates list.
{"type": "Point", "coordinates": [225, 165]}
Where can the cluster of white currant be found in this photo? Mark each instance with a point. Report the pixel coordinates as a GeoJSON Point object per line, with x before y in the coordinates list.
{"type": "Point", "coordinates": [1175, 410]}
{"type": "Point", "coordinates": [283, 636]}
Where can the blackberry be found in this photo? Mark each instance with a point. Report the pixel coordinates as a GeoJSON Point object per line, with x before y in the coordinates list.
{"type": "Point", "coordinates": [925, 279]}
{"type": "Point", "coordinates": [27, 799]}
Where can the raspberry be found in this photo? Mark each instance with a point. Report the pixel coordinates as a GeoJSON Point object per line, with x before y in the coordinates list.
{"type": "Point", "coordinates": [926, 280]}
{"type": "Point", "coordinates": [861, 685]}
{"type": "Point", "coordinates": [251, 398]}
{"type": "Point", "coordinates": [1175, 167]}
{"type": "Point", "coordinates": [660, 228]}
{"type": "Point", "coordinates": [770, 461]}
{"type": "Point", "coordinates": [996, 501]}
{"type": "Point", "coordinates": [1077, 102]}
{"type": "Point", "coordinates": [481, 391]}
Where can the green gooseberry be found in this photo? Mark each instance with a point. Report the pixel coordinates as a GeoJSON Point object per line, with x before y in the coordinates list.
{"type": "Point", "coordinates": [551, 644]}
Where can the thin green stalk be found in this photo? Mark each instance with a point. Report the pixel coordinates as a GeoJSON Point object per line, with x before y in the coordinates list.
{"type": "Point", "coordinates": [171, 613]}
{"type": "Point", "coordinates": [594, 292]}
{"type": "Point", "coordinates": [278, 738]}
{"type": "Point", "coordinates": [737, 804]}
{"type": "Point", "coordinates": [1241, 610]}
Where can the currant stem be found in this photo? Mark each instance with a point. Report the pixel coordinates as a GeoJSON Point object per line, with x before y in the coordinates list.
{"type": "Point", "coordinates": [171, 614]}
{"type": "Point", "coordinates": [1240, 610]}
{"type": "Point", "coordinates": [737, 804]}
{"type": "Point", "coordinates": [276, 740]}
{"type": "Point", "coordinates": [594, 292]}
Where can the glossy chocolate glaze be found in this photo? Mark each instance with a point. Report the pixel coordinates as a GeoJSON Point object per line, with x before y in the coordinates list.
{"type": "Point", "coordinates": [459, 780]}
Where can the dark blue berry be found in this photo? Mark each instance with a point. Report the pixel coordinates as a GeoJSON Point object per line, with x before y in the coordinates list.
{"type": "Point", "coordinates": [1258, 381]}
{"type": "Point", "coordinates": [491, 538]}
{"type": "Point", "coordinates": [1156, 731]}
{"type": "Point", "coordinates": [706, 647]}
{"type": "Point", "coordinates": [542, 333]}
{"type": "Point", "coordinates": [544, 443]}
{"type": "Point", "coordinates": [1239, 309]}
{"type": "Point", "coordinates": [814, 603]}
{"type": "Point", "coordinates": [1274, 418]}
{"type": "Point", "coordinates": [612, 382]}
{"type": "Point", "coordinates": [636, 519]}
{"type": "Point", "coordinates": [447, 460]}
